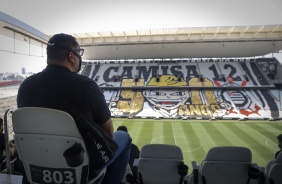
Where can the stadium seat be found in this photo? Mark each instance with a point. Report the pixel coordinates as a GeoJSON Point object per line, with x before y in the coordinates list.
{"type": "Point", "coordinates": [51, 147]}
{"type": "Point", "coordinates": [273, 170]}
{"type": "Point", "coordinates": [223, 165]}
{"type": "Point", "coordinates": [160, 163]}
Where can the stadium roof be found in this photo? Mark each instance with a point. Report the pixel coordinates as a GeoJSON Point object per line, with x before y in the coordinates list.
{"type": "Point", "coordinates": [217, 29]}
{"type": "Point", "coordinates": [190, 34]}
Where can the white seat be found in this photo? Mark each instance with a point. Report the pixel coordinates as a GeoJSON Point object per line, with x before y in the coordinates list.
{"type": "Point", "coordinates": [158, 164]}
{"type": "Point", "coordinates": [273, 170]}
{"type": "Point", "coordinates": [223, 165]}
{"type": "Point", "coordinates": [50, 146]}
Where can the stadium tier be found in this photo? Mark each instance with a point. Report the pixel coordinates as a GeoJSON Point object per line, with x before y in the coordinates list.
{"type": "Point", "coordinates": [204, 89]}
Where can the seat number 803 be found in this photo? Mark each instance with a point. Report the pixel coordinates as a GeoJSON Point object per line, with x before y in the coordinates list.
{"type": "Point", "coordinates": [58, 177]}
{"type": "Point", "coordinates": [44, 175]}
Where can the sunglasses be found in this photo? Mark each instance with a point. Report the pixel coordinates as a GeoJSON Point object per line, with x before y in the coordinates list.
{"type": "Point", "coordinates": [77, 52]}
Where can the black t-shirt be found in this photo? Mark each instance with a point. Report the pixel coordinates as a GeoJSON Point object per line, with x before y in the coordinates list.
{"type": "Point", "coordinates": [2, 144]}
{"type": "Point", "coordinates": [56, 87]}
{"type": "Point", "coordinates": [134, 154]}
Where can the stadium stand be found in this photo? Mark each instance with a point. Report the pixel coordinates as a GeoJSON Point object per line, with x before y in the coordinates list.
{"type": "Point", "coordinates": [9, 82]}
{"type": "Point", "coordinates": [172, 88]}
{"type": "Point", "coordinates": [226, 89]}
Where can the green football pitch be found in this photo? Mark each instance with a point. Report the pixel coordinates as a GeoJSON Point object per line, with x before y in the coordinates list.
{"type": "Point", "coordinates": [196, 137]}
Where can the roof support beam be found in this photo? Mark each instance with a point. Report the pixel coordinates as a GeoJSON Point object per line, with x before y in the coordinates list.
{"type": "Point", "coordinates": [202, 33]}
{"type": "Point", "coordinates": [258, 31]}
{"type": "Point", "coordinates": [138, 37]}
{"type": "Point", "coordinates": [242, 34]}
{"type": "Point", "coordinates": [113, 36]}
{"type": "Point", "coordinates": [92, 39]}
{"type": "Point", "coordinates": [126, 39]}
{"type": "Point", "coordinates": [274, 29]}
{"type": "Point", "coordinates": [188, 36]}
{"type": "Point", "coordinates": [229, 33]}
{"type": "Point", "coordinates": [175, 35]}
{"type": "Point", "coordinates": [101, 37]}
{"type": "Point", "coordinates": [215, 34]}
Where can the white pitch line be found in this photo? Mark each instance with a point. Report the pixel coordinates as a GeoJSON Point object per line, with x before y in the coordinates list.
{"type": "Point", "coordinates": [158, 131]}
{"type": "Point", "coordinates": [266, 143]}
{"type": "Point", "coordinates": [181, 134]}
{"type": "Point", "coordinates": [173, 134]}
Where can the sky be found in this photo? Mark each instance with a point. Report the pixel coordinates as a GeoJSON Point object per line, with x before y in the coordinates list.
{"type": "Point", "coordinates": [72, 16]}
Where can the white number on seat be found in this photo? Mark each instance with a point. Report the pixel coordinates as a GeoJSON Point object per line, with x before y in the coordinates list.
{"type": "Point", "coordinates": [58, 177]}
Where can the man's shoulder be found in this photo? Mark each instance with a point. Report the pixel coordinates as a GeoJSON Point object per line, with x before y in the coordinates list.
{"type": "Point", "coordinates": [51, 75]}
{"type": "Point", "coordinates": [83, 77]}
{"type": "Point", "coordinates": [34, 76]}
{"type": "Point", "coordinates": [84, 80]}
{"type": "Point", "coordinates": [33, 79]}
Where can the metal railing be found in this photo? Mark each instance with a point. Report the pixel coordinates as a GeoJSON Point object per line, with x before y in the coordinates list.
{"type": "Point", "coordinates": [7, 141]}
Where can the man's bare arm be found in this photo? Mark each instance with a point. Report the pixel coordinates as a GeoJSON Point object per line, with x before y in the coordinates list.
{"type": "Point", "coordinates": [108, 127]}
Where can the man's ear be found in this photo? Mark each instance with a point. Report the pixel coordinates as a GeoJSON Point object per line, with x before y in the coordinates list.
{"type": "Point", "coordinates": [71, 57]}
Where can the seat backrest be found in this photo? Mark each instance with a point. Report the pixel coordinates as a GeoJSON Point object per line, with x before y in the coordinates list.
{"type": "Point", "coordinates": [50, 146]}
{"type": "Point", "coordinates": [158, 163]}
{"type": "Point", "coordinates": [274, 170]}
{"type": "Point", "coordinates": [226, 164]}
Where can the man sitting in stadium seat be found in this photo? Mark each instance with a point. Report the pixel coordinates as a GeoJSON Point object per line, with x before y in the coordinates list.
{"type": "Point", "coordinates": [3, 143]}
{"type": "Point", "coordinates": [13, 152]}
{"type": "Point", "coordinates": [279, 137]}
{"type": "Point", "coordinates": [134, 152]}
{"type": "Point", "coordinates": [2, 139]}
{"type": "Point", "coordinates": [59, 86]}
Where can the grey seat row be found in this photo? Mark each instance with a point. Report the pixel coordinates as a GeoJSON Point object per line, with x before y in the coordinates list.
{"type": "Point", "coordinates": [43, 135]}
{"type": "Point", "coordinates": [222, 165]}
